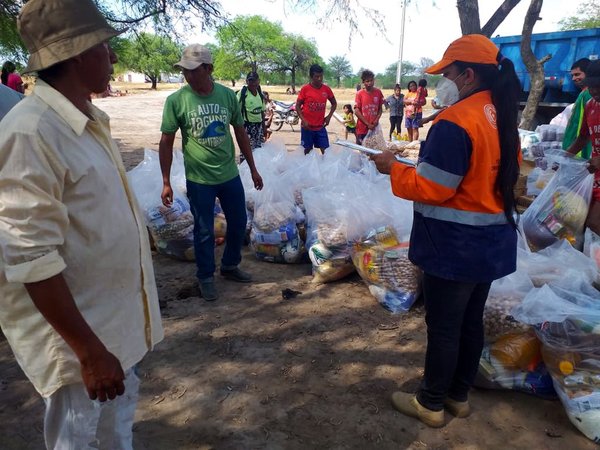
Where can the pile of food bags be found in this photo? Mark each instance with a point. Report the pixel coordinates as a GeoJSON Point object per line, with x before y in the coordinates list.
{"type": "Point", "coordinates": [566, 317]}
{"type": "Point", "coordinates": [511, 358]}
{"type": "Point", "coordinates": [337, 210]}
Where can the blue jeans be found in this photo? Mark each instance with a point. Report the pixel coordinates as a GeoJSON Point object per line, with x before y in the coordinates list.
{"type": "Point", "coordinates": [202, 204]}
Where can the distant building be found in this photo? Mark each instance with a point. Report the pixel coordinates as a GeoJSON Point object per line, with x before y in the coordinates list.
{"type": "Point", "coordinates": [131, 77]}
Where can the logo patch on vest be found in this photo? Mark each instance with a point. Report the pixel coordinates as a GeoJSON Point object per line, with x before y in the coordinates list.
{"type": "Point", "coordinates": [490, 114]}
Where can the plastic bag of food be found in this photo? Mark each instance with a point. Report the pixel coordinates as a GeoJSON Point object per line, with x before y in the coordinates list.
{"type": "Point", "coordinates": [327, 217]}
{"type": "Point", "coordinates": [559, 212]}
{"type": "Point", "coordinates": [274, 206]}
{"type": "Point", "coordinates": [374, 139]}
{"type": "Point", "coordinates": [283, 245]}
{"type": "Point", "coordinates": [534, 379]}
{"type": "Point", "coordinates": [171, 228]}
{"type": "Point", "coordinates": [505, 294]}
{"type": "Point", "coordinates": [538, 179]}
{"type": "Point", "coordinates": [591, 246]}
{"type": "Point", "coordinates": [557, 262]}
{"type": "Point", "coordinates": [382, 262]}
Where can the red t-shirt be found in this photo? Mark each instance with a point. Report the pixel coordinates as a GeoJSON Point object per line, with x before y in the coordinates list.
{"type": "Point", "coordinates": [14, 81]}
{"type": "Point", "coordinates": [368, 104]}
{"type": "Point", "coordinates": [314, 104]}
{"type": "Point", "coordinates": [591, 128]}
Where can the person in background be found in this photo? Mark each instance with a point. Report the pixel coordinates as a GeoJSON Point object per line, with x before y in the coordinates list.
{"type": "Point", "coordinates": [422, 92]}
{"type": "Point", "coordinates": [413, 110]}
{"type": "Point", "coordinates": [252, 104]}
{"type": "Point", "coordinates": [578, 75]}
{"type": "Point", "coordinates": [11, 78]}
{"type": "Point", "coordinates": [78, 301]}
{"type": "Point", "coordinates": [395, 103]}
{"type": "Point", "coordinates": [311, 106]}
{"type": "Point", "coordinates": [8, 99]}
{"type": "Point", "coordinates": [269, 111]}
{"type": "Point", "coordinates": [367, 106]}
{"type": "Point", "coordinates": [590, 134]}
{"type": "Point", "coordinates": [464, 234]}
{"type": "Point", "coordinates": [349, 121]}
{"type": "Point", "coordinates": [204, 110]}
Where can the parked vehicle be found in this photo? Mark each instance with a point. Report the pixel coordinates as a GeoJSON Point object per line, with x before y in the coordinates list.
{"type": "Point", "coordinates": [566, 47]}
{"type": "Point", "coordinates": [284, 113]}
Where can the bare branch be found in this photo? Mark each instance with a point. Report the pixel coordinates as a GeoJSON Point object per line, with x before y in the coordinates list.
{"type": "Point", "coordinates": [468, 12]}
{"type": "Point", "coordinates": [498, 17]}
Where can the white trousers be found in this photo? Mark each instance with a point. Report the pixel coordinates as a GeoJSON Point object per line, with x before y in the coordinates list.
{"type": "Point", "coordinates": [74, 422]}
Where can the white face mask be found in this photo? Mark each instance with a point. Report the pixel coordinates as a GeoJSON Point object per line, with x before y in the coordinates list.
{"type": "Point", "coordinates": [447, 91]}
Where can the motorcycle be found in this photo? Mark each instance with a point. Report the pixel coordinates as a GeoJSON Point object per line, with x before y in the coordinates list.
{"type": "Point", "coordinates": [284, 113]}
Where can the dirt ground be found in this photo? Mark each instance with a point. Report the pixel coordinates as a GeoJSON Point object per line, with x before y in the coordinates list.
{"type": "Point", "coordinates": [255, 371]}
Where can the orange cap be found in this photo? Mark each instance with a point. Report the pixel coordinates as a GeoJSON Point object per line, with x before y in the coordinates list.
{"type": "Point", "coordinates": [471, 48]}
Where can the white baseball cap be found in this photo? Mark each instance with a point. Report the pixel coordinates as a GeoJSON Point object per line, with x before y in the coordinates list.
{"type": "Point", "coordinates": [194, 55]}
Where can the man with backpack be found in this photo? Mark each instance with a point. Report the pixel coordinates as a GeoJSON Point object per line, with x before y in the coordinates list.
{"type": "Point", "coordinates": [252, 104]}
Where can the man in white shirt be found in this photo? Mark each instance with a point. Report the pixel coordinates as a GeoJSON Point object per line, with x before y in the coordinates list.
{"type": "Point", "coordinates": [78, 302]}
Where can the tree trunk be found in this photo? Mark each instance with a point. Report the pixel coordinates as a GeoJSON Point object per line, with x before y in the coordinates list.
{"type": "Point", "coordinates": [153, 80]}
{"type": "Point", "coordinates": [338, 81]}
{"type": "Point", "coordinates": [498, 17]}
{"type": "Point", "coordinates": [468, 12]}
{"type": "Point", "coordinates": [233, 83]}
{"type": "Point", "coordinates": [293, 73]}
{"type": "Point", "coordinates": [534, 67]}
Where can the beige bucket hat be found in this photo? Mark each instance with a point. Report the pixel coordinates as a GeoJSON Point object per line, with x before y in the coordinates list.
{"type": "Point", "coordinates": [56, 30]}
{"type": "Point", "coordinates": [194, 55]}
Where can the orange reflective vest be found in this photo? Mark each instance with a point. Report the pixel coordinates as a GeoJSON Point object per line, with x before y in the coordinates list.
{"type": "Point", "coordinates": [459, 231]}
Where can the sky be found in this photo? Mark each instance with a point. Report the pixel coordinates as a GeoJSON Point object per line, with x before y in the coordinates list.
{"type": "Point", "coordinates": [430, 26]}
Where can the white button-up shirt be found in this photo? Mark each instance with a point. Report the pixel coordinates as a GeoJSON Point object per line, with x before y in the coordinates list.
{"type": "Point", "coordinates": [66, 207]}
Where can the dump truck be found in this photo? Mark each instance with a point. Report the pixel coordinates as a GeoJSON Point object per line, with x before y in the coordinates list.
{"type": "Point", "coordinates": [565, 47]}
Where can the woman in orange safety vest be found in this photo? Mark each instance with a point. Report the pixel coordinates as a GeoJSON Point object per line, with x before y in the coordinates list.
{"type": "Point", "coordinates": [464, 233]}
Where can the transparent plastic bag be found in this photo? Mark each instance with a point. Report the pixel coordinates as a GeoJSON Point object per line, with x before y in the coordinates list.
{"type": "Point", "coordinates": [504, 295]}
{"type": "Point", "coordinates": [382, 262]}
{"type": "Point", "coordinates": [568, 325]}
{"type": "Point", "coordinates": [559, 212]}
{"type": "Point", "coordinates": [560, 261]}
{"type": "Point", "coordinates": [374, 139]}
{"type": "Point", "coordinates": [328, 216]}
{"type": "Point", "coordinates": [171, 228]}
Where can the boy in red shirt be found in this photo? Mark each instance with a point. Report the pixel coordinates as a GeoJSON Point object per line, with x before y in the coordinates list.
{"type": "Point", "coordinates": [367, 106]}
{"type": "Point", "coordinates": [310, 106]}
{"type": "Point", "coordinates": [590, 131]}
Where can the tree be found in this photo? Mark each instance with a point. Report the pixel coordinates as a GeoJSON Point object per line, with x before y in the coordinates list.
{"type": "Point", "coordinates": [468, 12]}
{"type": "Point", "coordinates": [250, 41]}
{"type": "Point", "coordinates": [151, 55]}
{"type": "Point", "coordinates": [534, 67]}
{"type": "Point", "coordinates": [586, 16]}
{"type": "Point", "coordinates": [226, 66]}
{"type": "Point", "coordinates": [292, 54]}
{"type": "Point", "coordinates": [340, 68]}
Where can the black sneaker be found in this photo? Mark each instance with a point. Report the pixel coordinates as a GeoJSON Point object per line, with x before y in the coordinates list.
{"type": "Point", "coordinates": [208, 290]}
{"type": "Point", "coordinates": [236, 275]}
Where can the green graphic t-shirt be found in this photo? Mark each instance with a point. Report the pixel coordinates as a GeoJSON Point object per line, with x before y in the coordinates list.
{"type": "Point", "coordinates": [254, 106]}
{"type": "Point", "coordinates": [208, 150]}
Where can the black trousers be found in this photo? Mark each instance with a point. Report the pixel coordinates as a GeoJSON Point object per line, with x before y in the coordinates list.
{"type": "Point", "coordinates": [454, 317]}
{"type": "Point", "coordinates": [395, 122]}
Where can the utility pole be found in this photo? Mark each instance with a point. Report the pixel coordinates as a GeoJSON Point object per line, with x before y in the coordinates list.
{"type": "Point", "coordinates": [399, 68]}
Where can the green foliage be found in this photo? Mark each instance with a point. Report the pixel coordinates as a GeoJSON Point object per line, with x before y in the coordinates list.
{"type": "Point", "coordinates": [11, 45]}
{"type": "Point", "coordinates": [295, 54]}
{"type": "Point", "coordinates": [586, 16]}
{"type": "Point", "coordinates": [251, 41]}
{"type": "Point", "coordinates": [149, 54]}
{"type": "Point", "coordinates": [227, 66]}
{"type": "Point", "coordinates": [339, 67]}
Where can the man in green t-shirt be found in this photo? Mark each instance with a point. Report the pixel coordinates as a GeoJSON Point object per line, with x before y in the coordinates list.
{"type": "Point", "coordinates": [252, 105]}
{"type": "Point", "coordinates": [203, 110]}
{"type": "Point", "coordinates": [574, 125]}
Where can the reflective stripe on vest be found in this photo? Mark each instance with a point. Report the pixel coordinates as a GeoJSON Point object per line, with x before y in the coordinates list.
{"type": "Point", "coordinates": [459, 216]}
{"type": "Point", "coordinates": [438, 176]}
